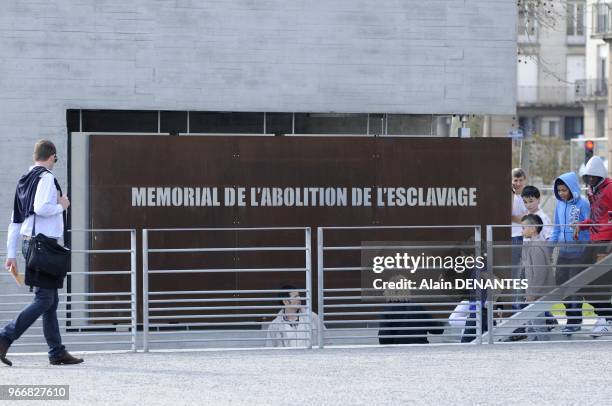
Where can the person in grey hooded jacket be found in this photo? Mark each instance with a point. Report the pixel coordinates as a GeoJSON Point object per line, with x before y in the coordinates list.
{"type": "Point", "coordinates": [536, 265]}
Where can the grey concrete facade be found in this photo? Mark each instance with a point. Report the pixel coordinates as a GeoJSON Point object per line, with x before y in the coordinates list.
{"type": "Point", "coordinates": [439, 56]}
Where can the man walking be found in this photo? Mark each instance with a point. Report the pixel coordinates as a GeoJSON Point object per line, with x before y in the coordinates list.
{"type": "Point", "coordinates": [38, 205]}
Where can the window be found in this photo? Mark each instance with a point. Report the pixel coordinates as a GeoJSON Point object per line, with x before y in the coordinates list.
{"type": "Point", "coordinates": [601, 124]}
{"type": "Point", "coordinates": [573, 127]}
{"type": "Point", "coordinates": [527, 125]}
{"type": "Point", "coordinates": [602, 67]}
{"type": "Point", "coordinates": [527, 79]}
{"type": "Point", "coordinates": [441, 126]}
{"type": "Point", "coordinates": [409, 124]}
{"type": "Point", "coordinates": [226, 122]}
{"type": "Point", "coordinates": [377, 124]}
{"type": "Point", "coordinates": [553, 128]}
{"type": "Point", "coordinates": [136, 121]}
{"type": "Point", "coordinates": [550, 126]}
{"type": "Point", "coordinates": [330, 123]}
{"type": "Point", "coordinates": [575, 19]}
{"type": "Point", "coordinates": [575, 72]}
{"type": "Point", "coordinates": [174, 122]}
{"type": "Point", "coordinates": [602, 22]}
{"type": "Point", "coordinates": [279, 123]}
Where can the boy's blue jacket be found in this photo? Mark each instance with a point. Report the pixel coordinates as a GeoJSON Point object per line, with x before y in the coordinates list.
{"type": "Point", "coordinates": [570, 212]}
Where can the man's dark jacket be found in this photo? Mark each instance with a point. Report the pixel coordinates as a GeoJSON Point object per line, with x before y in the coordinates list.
{"type": "Point", "coordinates": [23, 207]}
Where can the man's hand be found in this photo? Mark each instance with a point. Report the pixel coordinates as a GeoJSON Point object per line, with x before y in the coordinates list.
{"type": "Point", "coordinates": [576, 232]}
{"type": "Point", "coordinates": [10, 262]}
{"type": "Point", "coordinates": [63, 200]}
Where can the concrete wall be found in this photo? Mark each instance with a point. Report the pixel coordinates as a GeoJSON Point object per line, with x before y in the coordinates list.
{"type": "Point", "coordinates": [411, 56]}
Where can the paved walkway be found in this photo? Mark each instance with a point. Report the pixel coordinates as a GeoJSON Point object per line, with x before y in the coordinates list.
{"type": "Point", "coordinates": [536, 373]}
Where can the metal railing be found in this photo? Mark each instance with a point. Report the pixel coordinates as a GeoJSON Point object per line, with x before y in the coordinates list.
{"type": "Point", "coordinates": [104, 319]}
{"type": "Point", "coordinates": [572, 293]}
{"type": "Point", "coordinates": [194, 314]}
{"type": "Point", "coordinates": [591, 88]}
{"type": "Point", "coordinates": [352, 311]}
{"type": "Point", "coordinates": [547, 95]}
{"type": "Point", "coordinates": [249, 266]}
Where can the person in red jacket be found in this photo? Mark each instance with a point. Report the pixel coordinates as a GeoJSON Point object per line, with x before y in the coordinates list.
{"type": "Point", "coordinates": [600, 198]}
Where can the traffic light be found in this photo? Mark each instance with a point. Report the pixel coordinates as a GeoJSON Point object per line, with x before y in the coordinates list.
{"type": "Point", "coordinates": [589, 146]}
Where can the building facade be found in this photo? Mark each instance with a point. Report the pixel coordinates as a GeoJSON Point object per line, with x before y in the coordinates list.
{"type": "Point", "coordinates": [595, 88]}
{"type": "Point", "coordinates": [551, 62]}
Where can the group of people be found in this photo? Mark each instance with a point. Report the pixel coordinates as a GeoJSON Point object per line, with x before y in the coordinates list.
{"type": "Point", "coordinates": [579, 230]}
{"type": "Point", "coordinates": [577, 222]}
{"type": "Point", "coordinates": [547, 253]}
{"type": "Point", "coordinates": [39, 205]}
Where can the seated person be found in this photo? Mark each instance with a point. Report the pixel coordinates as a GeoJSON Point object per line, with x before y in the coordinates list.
{"type": "Point", "coordinates": [292, 325]}
{"type": "Point", "coordinates": [399, 303]}
{"type": "Point", "coordinates": [463, 319]}
{"type": "Point", "coordinates": [459, 317]}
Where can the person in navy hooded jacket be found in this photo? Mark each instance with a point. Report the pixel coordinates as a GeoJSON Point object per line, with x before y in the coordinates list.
{"type": "Point", "coordinates": [571, 208]}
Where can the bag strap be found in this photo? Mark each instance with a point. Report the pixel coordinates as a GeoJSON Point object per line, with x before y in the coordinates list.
{"type": "Point", "coordinates": [59, 189]}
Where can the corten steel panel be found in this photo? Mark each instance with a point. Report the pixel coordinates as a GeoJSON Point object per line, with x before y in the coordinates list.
{"type": "Point", "coordinates": [119, 163]}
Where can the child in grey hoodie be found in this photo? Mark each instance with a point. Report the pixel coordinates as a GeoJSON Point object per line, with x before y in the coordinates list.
{"type": "Point", "coordinates": [536, 266]}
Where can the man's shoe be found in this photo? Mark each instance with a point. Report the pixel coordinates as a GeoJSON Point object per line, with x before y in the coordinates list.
{"type": "Point", "coordinates": [3, 349]}
{"type": "Point", "coordinates": [66, 359]}
{"type": "Point", "coordinates": [551, 322]}
{"type": "Point", "coordinates": [512, 339]}
{"type": "Point", "coordinates": [568, 330]}
{"type": "Point", "coordinates": [602, 326]}
{"type": "Point", "coordinates": [518, 335]}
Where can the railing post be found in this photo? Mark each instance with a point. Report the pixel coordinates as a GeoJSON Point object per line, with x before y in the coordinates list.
{"type": "Point", "coordinates": [134, 290]}
{"type": "Point", "coordinates": [320, 289]}
{"type": "Point", "coordinates": [479, 321]}
{"type": "Point", "coordinates": [308, 249]}
{"type": "Point", "coordinates": [145, 290]}
{"type": "Point", "coordinates": [490, 321]}
{"type": "Point", "coordinates": [478, 253]}
{"type": "Point", "coordinates": [490, 299]}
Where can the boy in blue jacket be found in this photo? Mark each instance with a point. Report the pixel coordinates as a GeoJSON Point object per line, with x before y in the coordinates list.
{"type": "Point", "coordinates": [571, 208]}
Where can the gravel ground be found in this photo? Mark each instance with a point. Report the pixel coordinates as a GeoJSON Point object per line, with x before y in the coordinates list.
{"type": "Point", "coordinates": [533, 373]}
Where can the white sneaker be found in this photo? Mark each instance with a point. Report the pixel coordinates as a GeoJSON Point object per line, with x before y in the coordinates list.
{"type": "Point", "coordinates": [601, 327]}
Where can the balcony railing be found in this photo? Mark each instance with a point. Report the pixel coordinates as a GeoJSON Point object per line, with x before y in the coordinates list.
{"type": "Point", "coordinates": [547, 95]}
{"type": "Point", "coordinates": [591, 88]}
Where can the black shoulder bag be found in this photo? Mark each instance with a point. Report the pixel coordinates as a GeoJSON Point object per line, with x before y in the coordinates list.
{"type": "Point", "coordinates": [46, 256]}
